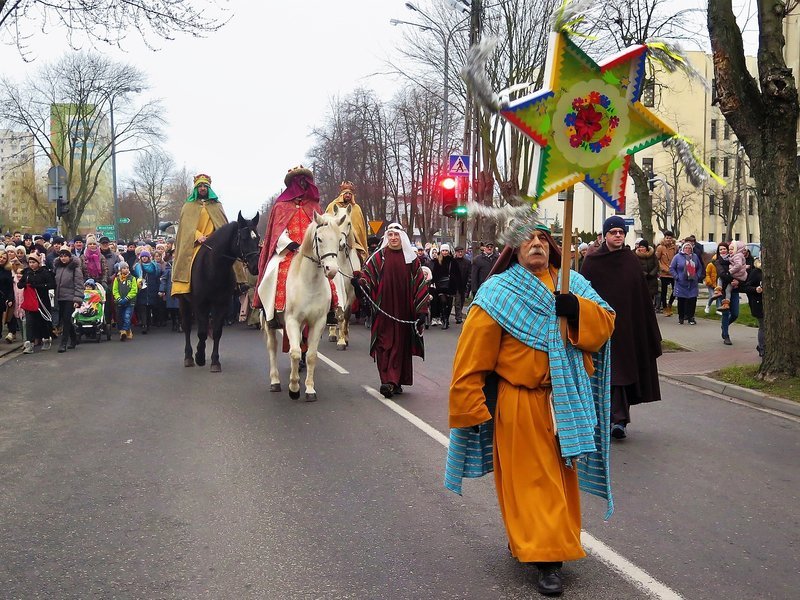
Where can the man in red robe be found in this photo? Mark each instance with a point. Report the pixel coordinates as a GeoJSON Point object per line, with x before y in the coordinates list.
{"type": "Point", "coordinates": [289, 217]}
{"type": "Point", "coordinates": [393, 279]}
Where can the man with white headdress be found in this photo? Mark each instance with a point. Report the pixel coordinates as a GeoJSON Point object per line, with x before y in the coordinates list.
{"type": "Point", "coordinates": [394, 281]}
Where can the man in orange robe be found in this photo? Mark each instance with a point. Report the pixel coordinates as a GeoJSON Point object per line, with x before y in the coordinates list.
{"type": "Point", "coordinates": [550, 427]}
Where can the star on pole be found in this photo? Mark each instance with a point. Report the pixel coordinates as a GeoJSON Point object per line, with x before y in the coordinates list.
{"type": "Point", "coordinates": [589, 122]}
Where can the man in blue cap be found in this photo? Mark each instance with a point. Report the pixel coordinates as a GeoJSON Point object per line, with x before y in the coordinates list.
{"type": "Point", "coordinates": [614, 272]}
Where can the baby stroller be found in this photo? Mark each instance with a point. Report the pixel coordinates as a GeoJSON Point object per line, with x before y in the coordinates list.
{"type": "Point", "coordinates": [90, 318]}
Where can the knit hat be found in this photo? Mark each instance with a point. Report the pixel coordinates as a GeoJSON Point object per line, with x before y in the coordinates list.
{"type": "Point", "coordinates": [64, 252]}
{"type": "Point", "coordinates": [78, 238]}
{"type": "Point", "coordinates": [644, 244]}
{"type": "Point", "coordinates": [144, 253]}
{"type": "Point", "coordinates": [90, 283]}
{"type": "Point", "coordinates": [583, 246]}
{"type": "Point", "coordinates": [445, 247]}
{"type": "Point", "coordinates": [614, 222]}
{"type": "Point", "coordinates": [91, 239]}
{"type": "Point", "coordinates": [122, 265]}
{"type": "Point", "coordinates": [34, 256]}
{"type": "Point", "coordinates": [58, 240]}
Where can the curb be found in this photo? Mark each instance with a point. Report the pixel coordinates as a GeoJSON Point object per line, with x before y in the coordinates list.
{"type": "Point", "coordinates": [740, 393]}
{"type": "Point", "coordinates": [7, 349]}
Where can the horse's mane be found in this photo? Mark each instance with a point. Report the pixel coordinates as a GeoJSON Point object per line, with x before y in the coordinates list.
{"type": "Point", "coordinates": [223, 235]}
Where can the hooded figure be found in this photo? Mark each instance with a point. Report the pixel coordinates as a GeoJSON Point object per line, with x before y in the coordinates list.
{"type": "Point", "coordinates": [201, 215]}
{"type": "Point", "coordinates": [347, 197]}
{"type": "Point", "coordinates": [291, 214]}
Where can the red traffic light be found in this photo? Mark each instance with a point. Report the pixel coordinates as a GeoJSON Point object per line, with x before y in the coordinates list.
{"type": "Point", "coordinates": [447, 183]}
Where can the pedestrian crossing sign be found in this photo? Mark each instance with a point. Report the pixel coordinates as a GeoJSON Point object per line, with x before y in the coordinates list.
{"type": "Point", "coordinates": [459, 165]}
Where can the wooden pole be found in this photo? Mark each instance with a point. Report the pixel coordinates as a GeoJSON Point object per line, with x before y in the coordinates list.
{"type": "Point", "coordinates": [566, 243]}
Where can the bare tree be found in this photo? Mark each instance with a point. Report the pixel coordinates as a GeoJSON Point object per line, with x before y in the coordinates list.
{"type": "Point", "coordinates": [68, 107]}
{"type": "Point", "coordinates": [764, 114]}
{"type": "Point", "coordinates": [107, 21]}
{"type": "Point", "coordinates": [151, 181]}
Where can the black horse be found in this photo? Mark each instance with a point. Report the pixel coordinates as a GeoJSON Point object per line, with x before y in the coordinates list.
{"type": "Point", "coordinates": [213, 283]}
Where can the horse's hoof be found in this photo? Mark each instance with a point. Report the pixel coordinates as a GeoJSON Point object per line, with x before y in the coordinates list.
{"type": "Point", "coordinates": [294, 395]}
{"type": "Point", "coordinates": [311, 397]}
{"type": "Point", "coordinates": [274, 387]}
{"type": "Point", "coordinates": [200, 360]}
{"type": "Point", "coordinates": [216, 368]}
{"type": "Point", "coordinates": [331, 338]}
{"type": "Point", "coordinates": [188, 362]}
{"type": "Point", "coordinates": [341, 347]}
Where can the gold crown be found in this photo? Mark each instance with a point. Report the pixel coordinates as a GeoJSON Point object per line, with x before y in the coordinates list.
{"type": "Point", "coordinates": [202, 178]}
{"type": "Point", "coordinates": [347, 185]}
{"type": "Point", "coordinates": [294, 172]}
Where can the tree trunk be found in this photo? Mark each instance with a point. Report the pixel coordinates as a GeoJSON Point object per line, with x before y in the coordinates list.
{"type": "Point", "coordinates": [765, 121]}
{"type": "Point", "coordinates": [640, 185]}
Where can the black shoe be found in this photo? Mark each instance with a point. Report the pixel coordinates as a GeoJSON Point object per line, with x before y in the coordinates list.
{"type": "Point", "coordinates": [458, 321]}
{"type": "Point", "coordinates": [549, 582]}
{"type": "Point", "coordinates": [446, 324]}
{"type": "Point", "coordinates": [618, 431]}
{"type": "Point", "coordinates": [692, 322]}
{"type": "Point", "coordinates": [62, 348]}
{"type": "Point", "coordinates": [727, 341]}
{"type": "Point", "coordinates": [387, 389]}
{"type": "Point", "coordinates": [680, 321]}
{"type": "Point", "coordinates": [398, 389]}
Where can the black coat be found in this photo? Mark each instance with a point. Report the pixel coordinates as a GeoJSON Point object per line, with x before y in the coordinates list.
{"type": "Point", "coordinates": [6, 287]}
{"type": "Point", "coordinates": [42, 281]}
{"type": "Point", "coordinates": [481, 266]}
{"type": "Point", "coordinates": [636, 341]}
{"type": "Point", "coordinates": [754, 299]}
{"type": "Point", "coordinates": [465, 269]}
{"type": "Point", "coordinates": [446, 276]}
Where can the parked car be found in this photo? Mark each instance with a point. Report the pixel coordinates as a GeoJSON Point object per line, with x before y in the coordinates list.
{"type": "Point", "coordinates": [755, 249]}
{"type": "Point", "coordinates": [709, 250]}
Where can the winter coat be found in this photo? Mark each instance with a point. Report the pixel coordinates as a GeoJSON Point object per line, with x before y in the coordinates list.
{"type": "Point", "coordinates": [649, 264]}
{"type": "Point", "coordinates": [165, 286]}
{"type": "Point", "coordinates": [711, 274]}
{"type": "Point", "coordinates": [42, 281]}
{"type": "Point", "coordinates": [481, 267]}
{"type": "Point", "coordinates": [685, 284]}
{"type": "Point", "coordinates": [6, 287]}
{"type": "Point", "coordinates": [69, 281]}
{"type": "Point", "coordinates": [446, 276]}
{"type": "Point", "coordinates": [465, 270]}
{"type": "Point", "coordinates": [738, 269]}
{"type": "Point", "coordinates": [665, 254]}
{"type": "Point", "coordinates": [112, 260]}
{"type": "Point", "coordinates": [127, 288]}
{"type": "Point", "coordinates": [754, 299]}
{"type": "Point", "coordinates": [149, 283]}
{"type": "Point", "coordinates": [103, 278]}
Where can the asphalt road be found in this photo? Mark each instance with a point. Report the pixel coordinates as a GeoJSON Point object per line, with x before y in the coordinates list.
{"type": "Point", "coordinates": [125, 475]}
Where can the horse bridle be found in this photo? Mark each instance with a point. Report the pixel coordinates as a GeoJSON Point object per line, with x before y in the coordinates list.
{"type": "Point", "coordinates": [240, 257]}
{"type": "Point", "coordinates": [319, 258]}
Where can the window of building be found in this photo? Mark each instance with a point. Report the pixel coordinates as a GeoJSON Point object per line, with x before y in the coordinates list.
{"type": "Point", "coordinates": [712, 205]}
{"type": "Point", "coordinates": [649, 93]}
{"type": "Point", "coordinates": [726, 167]}
{"type": "Point", "coordinates": [713, 129]}
{"type": "Point", "coordinates": [737, 236]}
{"type": "Point", "coordinates": [712, 162]}
{"type": "Point", "coordinates": [710, 237]}
{"type": "Point", "coordinates": [723, 237]}
{"type": "Point", "coordinates": [749, 238]}
{"type": "Point", "coordinates": [751, 204]}
{"type": "Point", "coordinates": [726, 131]}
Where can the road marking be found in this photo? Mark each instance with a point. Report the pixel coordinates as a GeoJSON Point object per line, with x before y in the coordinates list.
{"type": "Point", "coordinates": [339, 369]}
{"type": "Point", "coordinates": [635, 575]}
{"type": "Point", "coordinates": [409, 416]}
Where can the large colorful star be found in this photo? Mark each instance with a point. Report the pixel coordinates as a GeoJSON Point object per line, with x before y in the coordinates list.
{"type": "Point", "coordinates": [589, 122]}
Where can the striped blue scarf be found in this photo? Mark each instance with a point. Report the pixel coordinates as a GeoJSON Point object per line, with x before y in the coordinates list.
{"type": "Point", "coordinates": [524, 307]}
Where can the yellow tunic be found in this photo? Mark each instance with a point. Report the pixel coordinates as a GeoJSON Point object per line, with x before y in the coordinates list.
{"type": "Point", "coordinates": [204, 228]}
{"type": "Point", "coordinates": [538, 494]}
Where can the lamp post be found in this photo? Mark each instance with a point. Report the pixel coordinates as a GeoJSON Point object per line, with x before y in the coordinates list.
{"type": "Point", "coordinates": [111, 97]}
{"type": "Point", "coordinates": [655, 179]}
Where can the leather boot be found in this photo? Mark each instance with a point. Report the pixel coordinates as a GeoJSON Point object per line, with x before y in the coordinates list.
{"type": "Point", "coordinates": [549, 582]}
{"type": "Point", "coordinates": [62, 347]}
{"type": "Point", "coordinates": [446, 323]}
{"type": "Point", "coordinates": [73, 340]}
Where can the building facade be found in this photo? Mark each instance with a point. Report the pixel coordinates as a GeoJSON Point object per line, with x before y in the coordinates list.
{"type": "Point", "coordinates": [17, 181]}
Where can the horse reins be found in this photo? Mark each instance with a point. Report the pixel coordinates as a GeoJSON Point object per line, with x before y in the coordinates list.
{"type": "Point", "coordinates": [241, 257]}
{"type": "Point", "coordinates": [319, 258]}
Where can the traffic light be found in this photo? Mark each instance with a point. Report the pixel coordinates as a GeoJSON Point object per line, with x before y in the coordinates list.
{"type": "Point", "coordinates": [447, 186]}
{"type": "Point", "coordinates": [460, 212]}
{"type": "Point", "coordinates": [62, 207]}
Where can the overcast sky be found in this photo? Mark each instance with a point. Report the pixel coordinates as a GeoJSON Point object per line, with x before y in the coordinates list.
{"type": "Point", "coordinates": [242, 102]}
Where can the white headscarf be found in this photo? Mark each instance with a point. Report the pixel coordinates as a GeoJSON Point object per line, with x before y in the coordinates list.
{"type": "Point", "coordinates": [408, 250]}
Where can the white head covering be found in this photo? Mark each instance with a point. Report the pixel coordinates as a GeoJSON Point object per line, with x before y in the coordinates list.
{"type": "Point", "coordinates": [445, 247]}
{"type": "Point", "coordinates": [408, 250]}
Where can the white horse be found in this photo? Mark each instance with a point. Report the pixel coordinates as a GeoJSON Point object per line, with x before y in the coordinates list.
{"type": "Point", "coordinates": [349, 263]}
{"type": "Point", "coordinates": [308, 300]}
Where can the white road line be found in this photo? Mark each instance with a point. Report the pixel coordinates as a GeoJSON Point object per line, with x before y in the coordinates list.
{"type": "Point", "coordinates": [339, 369]}
{"type": "Point", "coordinates": [638, 577]}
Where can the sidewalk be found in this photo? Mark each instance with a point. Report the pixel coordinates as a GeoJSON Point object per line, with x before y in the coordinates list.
{"type": "Point", "coordinates": [708, 354]}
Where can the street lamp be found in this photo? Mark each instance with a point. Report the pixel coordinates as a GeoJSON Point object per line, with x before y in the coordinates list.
{"type": "Point", "coordinates": [111, 98]}
{"type": "Point", "coordinates": [654, 180]}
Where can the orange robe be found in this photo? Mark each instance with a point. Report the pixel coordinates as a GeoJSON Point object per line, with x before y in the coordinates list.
{"type": "Point", "coordinates": [538, 494]}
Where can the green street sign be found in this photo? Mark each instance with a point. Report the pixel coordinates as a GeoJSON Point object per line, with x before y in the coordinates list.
{"type": "Point", "coordinates": [105, 228]}
{"type": "Point", "coordinates": [123, 220]}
